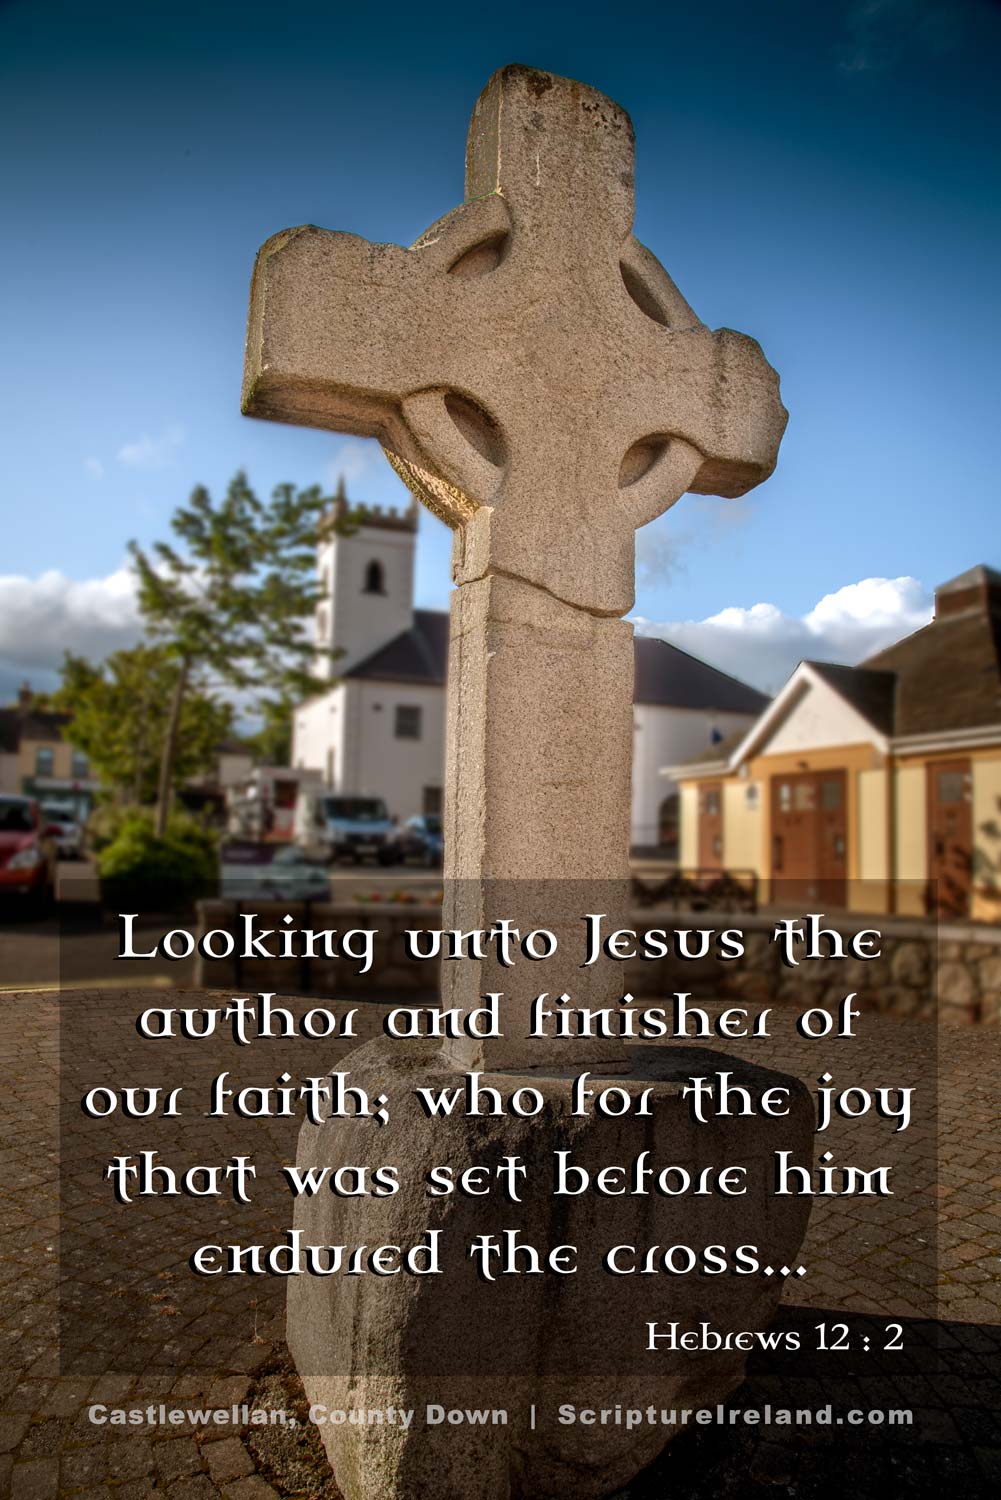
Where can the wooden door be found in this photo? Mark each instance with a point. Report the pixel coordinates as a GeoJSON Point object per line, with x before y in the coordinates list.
{"type": "Point", "coordinates": [809, 854]}
{"type": "Point", "coordinates": [832, 825]}
{"type": "Point", "coordinates": [710, 826]}
{"type": "Point", "coordinates": [950, 838]}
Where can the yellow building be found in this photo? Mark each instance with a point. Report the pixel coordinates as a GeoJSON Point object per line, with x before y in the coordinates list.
{"type": "Point", "coordinates": [37, 761]}
{"type": "Point", "coordinates": [871, 788]}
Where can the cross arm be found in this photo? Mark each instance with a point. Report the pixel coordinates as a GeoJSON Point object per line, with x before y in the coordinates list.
{"type": "Point", "coordinates": [329, 336]}
{"type": "Point", "coordinates": [714, 391]}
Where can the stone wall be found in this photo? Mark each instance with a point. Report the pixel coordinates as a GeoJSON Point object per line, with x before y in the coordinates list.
{"type": "Point", "coordinates": [949, 973]}
{"type": "Point", "coordinates": [924, 972]}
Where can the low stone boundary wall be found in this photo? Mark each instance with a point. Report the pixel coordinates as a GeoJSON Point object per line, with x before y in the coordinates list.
{"type": "Point", "coordinates": [925, 972]}
{"type": "Point", "coordinates": [951, 974]}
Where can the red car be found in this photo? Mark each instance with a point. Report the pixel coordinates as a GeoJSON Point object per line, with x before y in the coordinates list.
{"type": "Point", "coordinates": [27, 852]}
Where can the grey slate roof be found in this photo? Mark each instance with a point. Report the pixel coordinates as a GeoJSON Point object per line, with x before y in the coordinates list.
{"type": "Point", "coordinates": [419, 655]}
{"type": "Point", "coordinates": [948, 674]}
{"type": "Point", "coordinates": [665, 676]}
{"type": "Point", "coordinates": [669, 677]}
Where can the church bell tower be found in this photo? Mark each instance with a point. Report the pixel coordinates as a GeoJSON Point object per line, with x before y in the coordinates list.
{"type": "Point", "coordinates": [367, 577]}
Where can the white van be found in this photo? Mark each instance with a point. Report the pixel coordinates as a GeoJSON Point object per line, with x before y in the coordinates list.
{"type": "Point", "coordinates": [346, 827]}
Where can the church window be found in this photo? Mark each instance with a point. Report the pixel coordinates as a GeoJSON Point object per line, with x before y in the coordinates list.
{"type": "Point", "coordinates": [375, 579]}
{"type": "Point", "coordinates": [408, 721]}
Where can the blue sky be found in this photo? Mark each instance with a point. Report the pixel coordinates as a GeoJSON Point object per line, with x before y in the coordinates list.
{"type": "Point", "coordinates": [823, 176]}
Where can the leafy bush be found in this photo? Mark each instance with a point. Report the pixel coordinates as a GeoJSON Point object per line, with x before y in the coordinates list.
{"type": "Point", "coordinates": [148, 871]}
{"type": "Point", "coordinates": [106, 823]}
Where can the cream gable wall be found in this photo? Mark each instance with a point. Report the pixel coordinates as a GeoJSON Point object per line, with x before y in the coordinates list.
{"type": "Point", "coordinates": [820, 718]}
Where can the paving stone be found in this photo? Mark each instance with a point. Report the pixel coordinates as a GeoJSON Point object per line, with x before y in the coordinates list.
{"type": "Point", "coordinates": [137, 1489]}
{"type": "Point", "coordinates": [228, 1459]}
{"type": "Point", "coordinates": [84, 1466]}
{"type": "Point", "coordinates": [195, 1487]}
{"type": "Point", "coordinates": [251, 1488]}
{"type": "Point", "coordinates": [12, 1430]}
{"type": "Point", "coordinates": [228, 1392]}
{"type": "Point", "coordinates": [45, 1438]}
{"type": "Point", "coordinates": [29, 1396]}
{"type": "Point", "coordinates": [174, 1458]}
{"type": "Point", "coordinates": [130, 1457]}
{"type": "Point", "coordinates": [37, 1479]}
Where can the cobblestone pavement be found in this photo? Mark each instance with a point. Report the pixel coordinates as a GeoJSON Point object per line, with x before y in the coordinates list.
{"type": "Point", "coordinates": [139, 1330]}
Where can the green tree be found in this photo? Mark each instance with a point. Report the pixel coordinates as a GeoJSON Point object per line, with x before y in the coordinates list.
{"type": "Point", "coordinates": [232, 603]}
{"type": "Point", "coordinates": [271, 743]}
{"type": "Point", "coordinates": [120, 712]}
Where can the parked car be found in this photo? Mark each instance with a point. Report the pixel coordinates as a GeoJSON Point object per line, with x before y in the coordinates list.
{"type": "Point", "coordinates": [27, 852]}
{"type": "Point", "coordinates": [421, 839]}
{"type": "Point", "coordinates": [340, 827]}
{"type": "Point", "coordinates": [253, 870]}
{"type": "Point", "coordinates": [62, 825]}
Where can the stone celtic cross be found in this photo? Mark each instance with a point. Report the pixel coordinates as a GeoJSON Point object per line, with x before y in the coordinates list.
{"type": "Point", "coordinates": [538, 381]}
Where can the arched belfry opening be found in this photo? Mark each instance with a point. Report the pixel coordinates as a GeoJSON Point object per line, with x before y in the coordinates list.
{"type": "Point", "coordinates": [375, 578]}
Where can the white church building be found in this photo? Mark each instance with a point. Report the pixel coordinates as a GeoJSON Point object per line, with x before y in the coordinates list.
{"type": "Point", "coordinates": [380, 729]}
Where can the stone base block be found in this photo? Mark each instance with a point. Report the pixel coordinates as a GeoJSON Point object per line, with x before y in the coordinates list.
{"type": "Point", "coordinates": [514, 1356]}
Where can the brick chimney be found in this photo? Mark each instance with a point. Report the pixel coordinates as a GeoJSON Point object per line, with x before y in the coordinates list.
{"type": "Point", "coordinates": [977, 591]}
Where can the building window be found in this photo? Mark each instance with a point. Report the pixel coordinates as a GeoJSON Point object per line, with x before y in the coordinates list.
{"type": "Point", "coordinates": [375, 580]}
{"type": "Point", "coordinates": [43, 761]}
{"type": "Point", "coordinates": [431, 801]}
{"type": "Point", "coordinates": [830, 795]}
{"type": "Point", "coordinates": [952, 786]}
{"type": "Point", "coordinates": [79, 766]}
{"type": "Point", "coordinates": [408, 721]}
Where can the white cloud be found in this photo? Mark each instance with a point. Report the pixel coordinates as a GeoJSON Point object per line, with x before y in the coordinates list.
{"type": "Point", "coordinates": [94, 467]}
{"type": "Point", "coordinates": [762, 644]}
{"type": "Point", "coordinates": [40, 617]}
{"type": "Point", "coordinates": [152, 453]}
